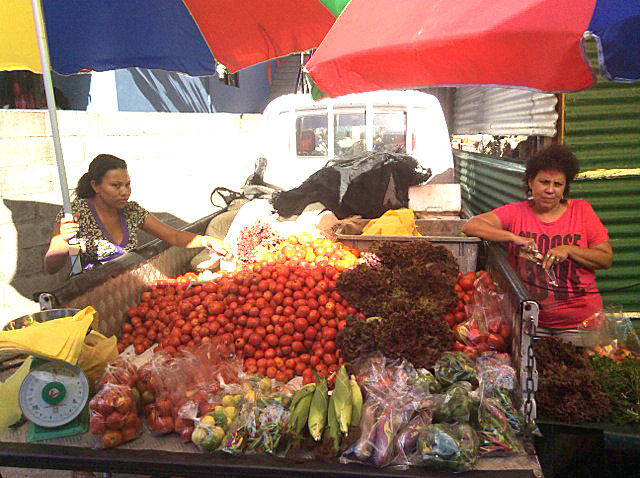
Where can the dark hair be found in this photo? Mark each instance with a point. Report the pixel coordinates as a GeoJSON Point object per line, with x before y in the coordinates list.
{"type": "Point", "coordinates": [100, 165]}
{"type": "Point", "coordinates": [554, 158]}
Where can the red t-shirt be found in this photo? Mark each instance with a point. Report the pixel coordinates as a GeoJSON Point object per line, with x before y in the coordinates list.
{"type": "Point", "coordinates": [576, 297]}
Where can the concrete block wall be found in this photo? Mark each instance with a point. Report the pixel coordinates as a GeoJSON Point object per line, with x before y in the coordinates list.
{"type": "Point", "coordinates": [175, 160]}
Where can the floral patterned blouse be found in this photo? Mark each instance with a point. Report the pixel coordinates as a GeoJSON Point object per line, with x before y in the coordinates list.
{"type": "Point", "coordinates": [96, 245]}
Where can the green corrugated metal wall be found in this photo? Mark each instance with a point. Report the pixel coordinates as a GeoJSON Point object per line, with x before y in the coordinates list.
{"type": "Point", "coordinates": [488, 182]}
{"type": "Point", "coordinates": [602, 128]}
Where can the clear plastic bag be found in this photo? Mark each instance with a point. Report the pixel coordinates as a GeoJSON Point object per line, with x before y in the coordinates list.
{"type": "Point", "coordinates": [608, 333]}
{"type": "Point", "coordinates": [455, 367]}
{"type": "Point", "coordinates": [379, 424]}
{"type": "Point", "coordinates": [407, 452]}
{"type": "Point", "coordinates": [498, 381]}
{"type": "Point", "coordinates": [536, 257]}
{"type": "Point", "coordinates": [456, 406]}
{"type": "Point", "coordinates": [488, 326]}
{"type": "Point", "coordinates": [495, 433]}
{"type": "Point", "coordinates": [113, 416]}
{"type": "Point", "coordinates": [449, 447]}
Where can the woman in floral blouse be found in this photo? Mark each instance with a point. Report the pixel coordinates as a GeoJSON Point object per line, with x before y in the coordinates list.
{"type": "Point", "coordinates": [107, 223]}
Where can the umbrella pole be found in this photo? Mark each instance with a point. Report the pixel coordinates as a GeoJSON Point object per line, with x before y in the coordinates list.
{"type": "Point", "coordinates": [76, 266]}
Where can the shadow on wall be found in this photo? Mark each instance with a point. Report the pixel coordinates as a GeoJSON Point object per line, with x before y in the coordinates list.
{"type": "Point", "coordinates": [33, 222]}
{"type": "Point", "coordinates": [169, 92]}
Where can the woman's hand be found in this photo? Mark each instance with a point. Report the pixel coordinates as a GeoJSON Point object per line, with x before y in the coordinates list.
{"type": "Point", "coordinates": [219, 247]}
{"type": "Point", "coordinates": [69, 228]}
{"type": "Point", "coordinates": [554, 256]}
{"type": "Point", "coordinates": [526, 243]}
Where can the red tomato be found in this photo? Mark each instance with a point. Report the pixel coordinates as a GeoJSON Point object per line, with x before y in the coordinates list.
{"type": "Point", "coordinates": [301, 324]}
{"type": "Point", "coordinates": [466, 283]}
{"type": "Point", "coordinates": [470, 352]}
{"type": "Point", "coordinates": [497, 342]}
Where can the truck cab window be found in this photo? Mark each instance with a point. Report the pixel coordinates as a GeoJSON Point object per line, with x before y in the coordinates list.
{"type": "Point", "coordinates": [389, 130]}
{"type": "Point", "coordinates": [350, 134]}
{"type": "Point", "coordinates": [311, 135]}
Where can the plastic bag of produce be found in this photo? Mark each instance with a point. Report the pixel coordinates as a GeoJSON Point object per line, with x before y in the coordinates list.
{"type": "Point", "coordinates": [209, 431]}
{"type": "Point", "coordinates": [456, 405]}
{"type": "Point", "coordinates": [608, 333]}
{"type": "Point", "coordinates": [272, 419]}
{"type": "Point", "coordinates": [380, 422]}
{"type": "Point", "coordinates": [496, 436]}
{"type": "Point", "coordinates": [406, 441]}
{"type": "Point", "coordinates": [242, 430]}
{"type": "Point", "coordinates": [379, 425]}
{"type": "Point", "coordinates": [488, 326]}
{"type": "Point", "coordinates": [449, 447]}
{"type": "Point", "coordinates": [426, 382]}
{"type": "Point", "coordinates": [386, 378]}
{"type": "Point", "coordinates": [499, 381]}
{"type": "Point", "coordinates": [113, 415]}
{"type": "Point", "coordinates": [121, 371]}
{"type": "Point", "coordinates": [455, 367]}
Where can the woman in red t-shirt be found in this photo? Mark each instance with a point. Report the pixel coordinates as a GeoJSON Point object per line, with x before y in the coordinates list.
{"type": "Point", "coordinates": [572, 240]}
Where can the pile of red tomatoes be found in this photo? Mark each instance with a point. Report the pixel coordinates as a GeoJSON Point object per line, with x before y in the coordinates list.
{"type": "Point", "coordinates": [281, 315]}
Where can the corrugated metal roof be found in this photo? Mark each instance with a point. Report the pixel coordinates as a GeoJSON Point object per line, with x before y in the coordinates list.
{"type": "Point", "coordinates": [504, 111]}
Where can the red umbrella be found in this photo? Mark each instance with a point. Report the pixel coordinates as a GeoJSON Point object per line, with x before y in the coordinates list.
{"type": "Point", "coordinates": [382, 44]}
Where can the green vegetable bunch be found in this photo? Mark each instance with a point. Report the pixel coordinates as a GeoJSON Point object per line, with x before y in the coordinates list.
{"type": "Point", "coordinates": [621, 381]}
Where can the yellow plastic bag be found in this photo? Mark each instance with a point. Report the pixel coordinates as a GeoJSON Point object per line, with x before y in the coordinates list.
{"type": "Point", "coordinates": [59, 339]}
{"type": "Point", "coordinates": [10, 411]}
{"type": "Point", "coordinates": [395, 222]}
{"type": "Point", "coordinates": [97, 352]}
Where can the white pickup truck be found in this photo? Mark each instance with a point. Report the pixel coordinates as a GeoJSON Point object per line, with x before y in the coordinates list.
{"type": "Point", "coordinates": [300, 135]}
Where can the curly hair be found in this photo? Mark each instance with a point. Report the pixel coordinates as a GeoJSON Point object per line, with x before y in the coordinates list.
{"type": "Point", "coordinates": [554, 158]}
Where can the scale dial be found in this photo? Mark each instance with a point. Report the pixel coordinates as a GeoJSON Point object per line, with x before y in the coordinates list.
{"type": "Point", "coordinates": [53, 394]}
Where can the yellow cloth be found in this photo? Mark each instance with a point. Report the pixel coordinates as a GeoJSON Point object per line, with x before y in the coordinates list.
{"type": "Point", "coordinates": [18, 39]}
{"type": "Point", "coordinates": [10, 411]}
{"type": "Point", "coordinates": [396, 222]}
{"type": "Point", "coordinates": [97, 352]}
{"type": "Point", "coordinates": [59, 339]}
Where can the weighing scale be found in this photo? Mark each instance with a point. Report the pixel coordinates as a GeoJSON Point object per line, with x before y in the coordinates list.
{"type": "Point", "coordinates": [53, 397]}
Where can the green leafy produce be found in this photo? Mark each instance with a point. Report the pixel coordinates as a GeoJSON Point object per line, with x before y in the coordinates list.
{"type": "Point", "coordinates": [621, 381]}
{"type": "Point", "coordinates": [455, 367]}
{"type": "Point", "coordinates": [449, 447]}
{"type": "Point", "coordinates": [456, 407]}
{"type": "Point", "coordinates": [426, 382]}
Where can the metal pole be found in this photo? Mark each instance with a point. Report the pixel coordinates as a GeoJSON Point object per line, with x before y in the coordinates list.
{"type": "Point", "coordinates": [76, 266]}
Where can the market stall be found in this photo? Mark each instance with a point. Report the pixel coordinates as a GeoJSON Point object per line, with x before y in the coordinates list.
{"type": "Point", "coordinates": [117, 287]}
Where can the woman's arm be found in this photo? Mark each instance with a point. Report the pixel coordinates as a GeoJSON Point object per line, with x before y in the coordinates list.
{"type": "Point", "coordinates": [58, 252]}
{"type": "Point", "coordinates": [592, 258]}
{"type": "Point", "coordinates": [178, 238]}
{"type": "Point", "coordinates": [489, 227]}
